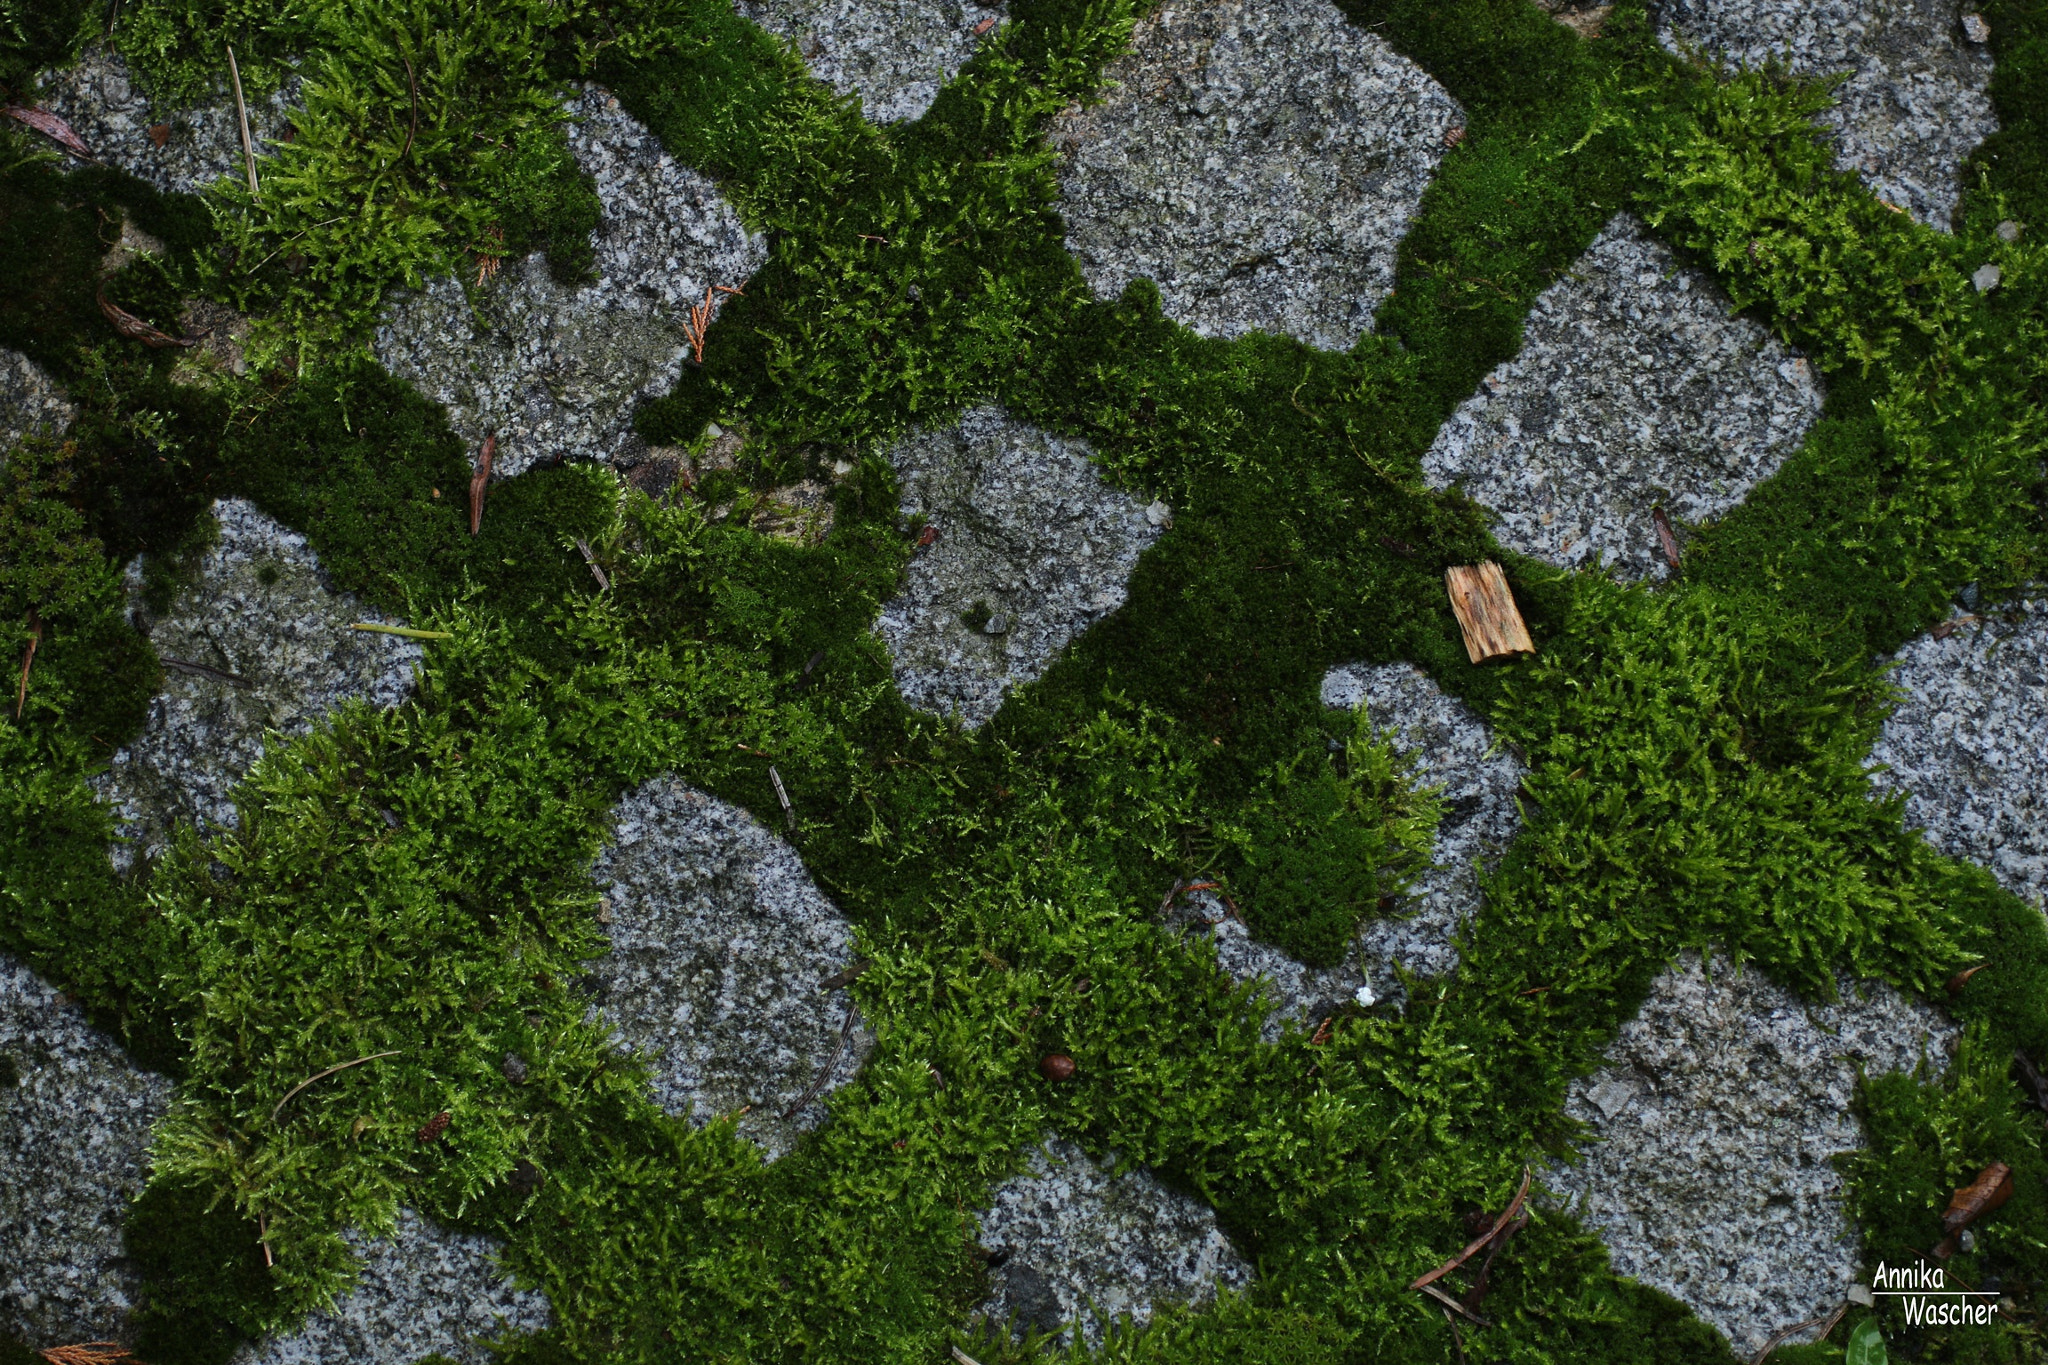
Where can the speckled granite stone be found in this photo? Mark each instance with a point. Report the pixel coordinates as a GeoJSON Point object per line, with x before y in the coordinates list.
{"type": "Point", "coordinates": [259, 609]}
{"type": "Point", "coordinates": [1084, 1248]}
{"type": "Point", "coordinates": [1968, 743]}
{"type": "Point", "coordinates": [554, 371]}
{"type": "Point", "coordinates": [1032, 548]}
{"type": "Point", "coordinates": [719, 941]}
{"type": "Point", "coordinates": [1634, 389]}
{"type": "Point", "coordinates": [423, 1291]}
{"type": "Point", "coordinates": [1916, 101]}
{"type": "Point", "coordinates": [894, 55]}
{"type": "Point", "coordinates": [1712, 1124]}
{"type": "Point", "coordinates": [1259, 163]}
{"type": "Point", "coordinates": [75, 1120]}
{"type": "Point", "coordinates": [103, 105]}
{"type": "Point", "coordinates": [30, 401]}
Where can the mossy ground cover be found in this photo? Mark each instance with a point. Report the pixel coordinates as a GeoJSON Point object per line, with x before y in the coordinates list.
{"type": "Point", "coordinates": [1694, 752]}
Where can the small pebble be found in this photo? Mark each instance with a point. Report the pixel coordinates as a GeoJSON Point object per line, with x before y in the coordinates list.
{"type": "Point", "coordinates": [2008, 231]}
{"type": "Point", "coordinates": [997, 624]}
{"type": "Point", "coordinates": [514, 1068]}
{"type": "Point", "coordinates": [1987, 277]}
{"type": "Point", "coordinates": [1975, 29]}
{"type": "Point", "coordinates": [1057, 1066]}
{"type": "Point", "coordinates": [1159, 514]}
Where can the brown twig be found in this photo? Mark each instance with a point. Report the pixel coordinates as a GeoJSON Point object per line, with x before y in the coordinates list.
{"type": "Point", "coordinates": [1480, 1285]}
{"type": "Point", "coordinates": [263, 1238]}
{"type": "Point", "coordinates": [961, 1357]}
{"type": "Point", "coordinates": [242, 113]}
{"type": "Point", "coordinates": [412, 83]}
{"type": "Point", "coordinates": [135, 329]}
{"type": "Point", "coordinates": [323, 1075]}
{"type": "Point", "coordinates": [1826, 1325]}
{"type": "Point", "coordinates": [845, 978]}
{"type": "Point", "coordinates": [1514, 1207]}
{"type": "Point", "coordinates": [479, 481]}
{"type": "Point", "coordinates": [35, 637]}
{"type": "Point", "coordinates": [186, 666]}
{"type": "Point", "coordinates": [1457, 1339]}
{"type": "Point", "coordinates": [825, 1073]}
{"type": "Point", "coordinates": [1665, 536]}
{"type": "Point", "coordinates": [591, 560]}
{"type": "Point", "coordinates": [1454, 1306]}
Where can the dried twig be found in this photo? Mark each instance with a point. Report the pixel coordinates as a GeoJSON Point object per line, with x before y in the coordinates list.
{"type": "Point", "coordinates": [35, 637]}
{"type": "Point", "coordinates": [1514, 1207]}
{"type": "Point", "coordinates": [379, 628]}
{"type": "Point", "coordinates": [86, 1353]}
{"type": "Point", "coordinates": [591, 560]}
{"type": "Point", "coordinates": [1484, 1281]}
{"type": "Point", "coordinates": [781, 795]}
{"type": "Point", "coordinates": [825, 1072]}
{"type": "Point", "coordinates": [263, 1238]}
{"type": "Point", "coordinates": [323, 1075]}
{"type": "Point", "coordinates": [961, 1357]}
{"type": "Point", "coordinates": [413, 84]}
{"type": "Point", "coordinates": [1826, 1325]}
{"type": "Point", "coordinates": [135, 329]}
{"type": "Point", "coordinates": [1665, 537]}
{"type": "Point", "coordinates": [1457, 1340]}
{"type": "Point", "coordinates": [204, 671]}
{"type": "Point", "coordinates": [479, 481]}
{"type": "Point", "coordinates": [242, 113]}
{"type": "Point", "coordinates": [53, 128]}
{"type": "Point", "coordinates": [1454, 1306]}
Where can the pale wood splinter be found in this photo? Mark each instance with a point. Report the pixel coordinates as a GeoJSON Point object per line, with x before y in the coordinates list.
{"type": "Point", "coordinates": [1486, 612]}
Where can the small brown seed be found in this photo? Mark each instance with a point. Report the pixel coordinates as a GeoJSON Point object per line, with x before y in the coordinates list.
{"type": "Point", "coordinates": [1057, 1066]}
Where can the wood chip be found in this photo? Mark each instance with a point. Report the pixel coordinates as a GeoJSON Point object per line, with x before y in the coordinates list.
{"type": "Point", "coordinates": [1487, 613]}
{"type": "Point", "coordinates": [479, 481]}
{"type": "Point", "coordinates": [51, 127]}
{"type": "Point", "coordinates": [135, 329]}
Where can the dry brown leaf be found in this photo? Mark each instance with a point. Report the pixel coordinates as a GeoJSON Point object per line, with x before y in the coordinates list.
{"type": "Point", "coordinates": [1991, 1188]}
{"type": "Point", "coordinates": [51, 127]}
{"type": "Point", "coordinates": [135, 329]}
{"type": "Point", "coordinates": [479, 481]}
{"type": "Point", "coordinates": [1962, 978]}
{"type": "Point", "coordinates": [1665, 537]}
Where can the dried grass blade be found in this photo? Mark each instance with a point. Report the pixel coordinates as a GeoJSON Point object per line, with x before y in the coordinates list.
{"type": "Point", "coordinates": [479, 481]}
{"type": "Point", "coordinates": [242, 113]}
{"type": "Point", "coordinates": [1514, 1207]}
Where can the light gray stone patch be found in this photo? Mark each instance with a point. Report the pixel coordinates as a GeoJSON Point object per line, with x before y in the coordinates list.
{"type": "Point", "coordinates": [107, 109]}
{"type": "Point", "coordinates": [422, 1291]}
{"type": "Point", "coordinates": [75, 1121]}
{"type": "Point", "coordinates": [30, 401]}
{"type": "Point", "coordinates": [1081, 1247]}
{"type": "Point", "coordinates": [1712, 1123]}
{"type": "Point", "coordinates": [1634, 389]}
{"type": "Point", "coordinates": [1916, 101]}
{"type": "Point", "coordinates": [556, 371]}
{"type": "Point", "coordinates": [719, 944]}
{"type": "Point", "coordinates": [1966, 742]}
{"type": "Point", "coordinates": [1032, 548]}
{"type": "Point", "coordinates": [262, 646]}
{"type": "Point", "coordinates": [1259, 163]}
{"type": "Point", "coordinates": [894, 55]}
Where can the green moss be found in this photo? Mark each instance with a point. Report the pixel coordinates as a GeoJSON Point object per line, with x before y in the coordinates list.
{"type": "Point", "coordinates": [208, 1289]}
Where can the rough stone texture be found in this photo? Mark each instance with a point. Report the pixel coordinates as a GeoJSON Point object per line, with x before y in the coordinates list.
{"type": "Point", "coordinates": [1259, 163]}
{"type": "Point", "coordinates": [1085, 1248]}
{"type": "Point", "coordinates": [1714, 1121]}
{"type": "Point", "coordinates": [1027, 529]}
{"type": "Point", "coordinates": [1966, 743]}
{"type": "Point", "coordinates": [423, 1291]}
{"type": "Point", "coordinates": [893, 55]}
{"type": "Point", "coordinates": [1449, 746]}
{"type": "Point", "coordinates": [556, 371]}
{"type": "Point", "coordinates": [288, 638]}
{"type": "Point", "coordinates": [1634, 388]}
{"type": "Point", "coordinates": [719, 943]}
{"type": "Point", "coordinates": [106, 109]}
{"type": "Point", "coordinates": [30, 401]}
{"type": "Point", "coordinates": [1914, 105]}
{"type": "Point", "coordinates": [75, 1120]}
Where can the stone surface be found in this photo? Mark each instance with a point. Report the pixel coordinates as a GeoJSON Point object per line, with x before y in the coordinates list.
{"type": "Point", "coordinates": [1914, 106]}
{"type": "Point", "coordinates": [30, 401]}
{"type": "Point", "coordinates": [1986, 277]}
{"type": "Point", "coordinates": [719, 941]}
{"type": "Point", "coordinates": [893, 55]}
{"type": "Point", "coordinates": [75, 1120]}
{"type": "Point", "coordinates": [1966, 743]}
{"type": "Point", "coordinates": [259, 609]}
{"type": "Point", "coordinates": [423, 1291]}
{"type": "Point", "coordinates": [1031, 548]}
{"type": "Point", "coordinates": [1712, 1125]}
{"type": "Point", "coordinates": [1449, 747]}
{"type": "Point", "coordinates": [1259, 163]}
{"type": "Point", "coordinates": [555, 371]}
{"type": "Point", "coordinates": [1634, 389]}
{"type": "Point", "coordinates": [104, 106]}
{"type": "Point", "coordinates": [1084, 1248]}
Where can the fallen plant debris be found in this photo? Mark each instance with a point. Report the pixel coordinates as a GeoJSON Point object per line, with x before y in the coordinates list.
{"type": "Point", "coordinates": [825, 1071]}
{"type": "Point", "coordinates": [434, 1128]}
{"type": "Point", "coordinates": [204, 671]}
{"type": "Point", "coordinates": [408, 632]}
{"type": "Point", "coordinates": [1056, 1066]}
{"type": "Point", "coordinates": [28, 659]}
{"type": "Point", "coordinates": [782, 798]}
{"type": "Point", "coordinates": [1486, 612]}
{"type": "Point", "coordinates": [135, 329]}
{"type": "Point", "coordinates": [87, 1353]}
{"type": "Point", "coordinates": [479, 481]}
{"type": "Point", "coordinates": [1665, 536]}
{"type": "Point", "coordinates": [1943, 629]}
{"type": "Point", "coordinates": [323, 1075]}
{"type": "Point", "coordinates": [1485, 1239]}
{"type": "Point", "coordinates": [590, 558]}
{"type": "Point", "coordinates": [1826, 1325]}
{"type": "Point", "coordinates": [1992, 1187]}
{"type": "Point", "coordinates": [845, 978]}
{"type": "Point", "coordinates": [242, 117]}
{"type": "Point", "coordinates": [1962, 978]}
{"type": "Point", "coordinates": [699, 321]}
{"type": "Point", "coordinates": [53, 128]}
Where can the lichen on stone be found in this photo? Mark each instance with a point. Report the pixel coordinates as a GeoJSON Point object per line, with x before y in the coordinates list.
{"type": "Point", "coordinates": [1635, 388]}
{"type": "Point", "coordinates": [1712, 1123]}
{"type": "Point", "coordinates": [1916, 100]}
{"type": "Point", "coordinates": [422, 1291]}
{"type": "Point", "coordinates": [1030, 547]}
{"type": "Point", "coordinates": [719, 944]}
{"type": "Point", "coordinates": [1260, 164]}
{"type": "Point", "coordinates": [1968, 741]}
{"type": "Point", "coordinates": [894, 55]}
{"type": "Point", "coordinates": [1080, 1247]}
{"type": "Point", "coordinates": [75, 1122]}
{"type": "Point", "coordinates": [555, 371]}
{"type": "Point", "coordinates": [30, 401]}
{"type": "Point", "coordinates": [256, 643]}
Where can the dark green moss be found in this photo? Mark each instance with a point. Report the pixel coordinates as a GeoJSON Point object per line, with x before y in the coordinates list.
{"type": "Point", "coordinates": [208, 1291]}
